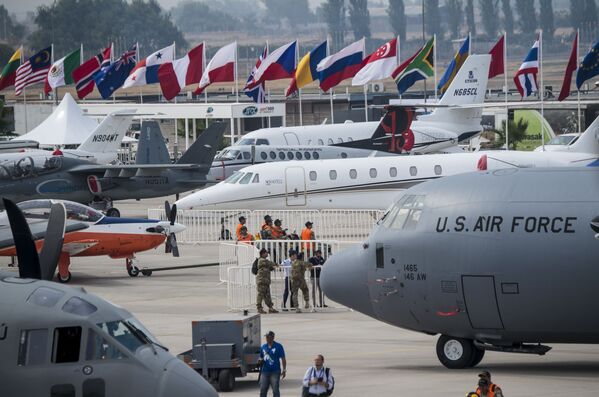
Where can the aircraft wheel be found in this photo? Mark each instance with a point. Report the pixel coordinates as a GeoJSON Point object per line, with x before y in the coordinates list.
{"type": "Point", "coordinates": [226, 380]}
{"type": "Point", "coordinates": [477, 356]}
{"type": "Point", "coordinates": [133, 271]}
{"type": "Point", "coordinates": [65, 279]}
{"type": "Point", "coordinates": [455, 353]}
{"type": "Point", "coordinates": [146, 272]}
{"type": "Point", "coordinates": [113, 212]}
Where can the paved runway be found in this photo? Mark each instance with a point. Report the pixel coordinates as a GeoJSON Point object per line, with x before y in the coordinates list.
{"type": "Point", "coordinates": [367, 356]}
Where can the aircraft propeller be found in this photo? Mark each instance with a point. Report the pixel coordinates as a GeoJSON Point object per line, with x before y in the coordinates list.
{"type": "Point", "coordinates": [171, 240]}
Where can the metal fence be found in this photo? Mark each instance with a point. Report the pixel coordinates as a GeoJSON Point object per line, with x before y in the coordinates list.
{"type": "Point", "coordinates": [203, 226]}
{"type": "Point", "coordinates": [234, 255]}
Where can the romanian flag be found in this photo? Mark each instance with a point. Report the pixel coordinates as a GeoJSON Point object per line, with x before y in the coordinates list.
{"type": "Point", "coordinates": [7, 77]}
{"type": "Point", "coordinates": [454, 66]}
{"type": "Point", "coordinates": [305, 73]}
{"type": "Point", "coordinates": [418, 67]}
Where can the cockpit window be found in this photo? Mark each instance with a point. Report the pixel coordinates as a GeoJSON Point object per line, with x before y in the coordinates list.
{"type": "Point", "coordinates": [40, 210]}
{"type": "Point", "coordinates": [32, 347]}
{"type": "Point", "coordinates": [262, 142]}
{"type": "Point", "coordinates": [45, 296]}
{"type": "Point", "coordinates": [67, 345]}
{"type": "Point", "coordinates": [235, 176]}
{"type": "Point", "coordinates": [129, 332]}
{"type": "Point", "coordinates": [247, 155]}
{"type": "Point", "coordinates": [20, 167]}
{"type": "Point", "coordinates": [78, 306]}
{"type": "Point", "coordinates": [256, 178]}
{"type": "Point", "coordinates": [247, 141]}
{"type": "Point", "coordinates": [228, 154]}
{"type": "Point", "coordinates": [246, 179]}
{"type": "Point", "coordinates": [99, 348]}
{"type": "Point", "coordinates": [406, 213]}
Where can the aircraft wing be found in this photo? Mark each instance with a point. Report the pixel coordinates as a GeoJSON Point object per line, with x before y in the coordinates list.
{"type": "Point", "coordinates": [38, 231]}
{"type": "Point", "coordinates": [497, 104]}
{"type": "Point", "coordinates": [17, 145]}
{"type": "Point", "coordinates": [131, 170]}
{"type": "Point", "coordinates": [77, 247]}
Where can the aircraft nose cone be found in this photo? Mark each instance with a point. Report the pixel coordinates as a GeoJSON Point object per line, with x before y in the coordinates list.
{"type": "Point", "coordinates": [344, 279]}
{"type": "Point", "coordinates": [185, 203]}
{"type": "Point", "coordinates": [177, 228]}
{"type": "Point", "coordinates": [181, 381]}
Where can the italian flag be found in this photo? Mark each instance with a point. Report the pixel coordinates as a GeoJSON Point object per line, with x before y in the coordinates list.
{"type": "Point", "coordinates": [8, 74]}
{"type": "Point", "coordinates": [61, 70]}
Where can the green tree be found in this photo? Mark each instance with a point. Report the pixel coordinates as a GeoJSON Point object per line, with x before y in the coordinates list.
{"type": "Point", "coordinates": [397, 18]}
{"type": "Point", "coordinates": [590, 18]}
{"type": "Point", "coordinates": [6, 52]}
{"type": "Point", "coordinates": [470, 17]}
{"type": "Point", "coordinates": [455, 16]}
{"type": "Point", "coordinates": [508, 16]}
{"type": "Point", "coordinates": [359, 18]}
{"type": "Point", "coordinates": [527, 17]}
{"type": "Point", "coordinates": [11, 31]}
{"type": "Point", "coordinates": [334, 16]}
{"type": "Point", "coordinates": [432, 20]}
{"type": "Point", "coordinates": [577, 17]}
{"type": "Point", "coordinates": [488, 10]}
{"type": "Point", "coordinates": [295, 12]}
{"type": "Point", "coordinates": [546, 19]}
{"type": "Point", "coordinates": [196, 17]}
{"type": "Point", "coordinates": [95, 23]}
{"type": "Point", "coordinates": [516, 133]}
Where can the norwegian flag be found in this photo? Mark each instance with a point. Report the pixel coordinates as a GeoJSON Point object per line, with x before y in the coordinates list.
{"type": "Point", "coordinates": [257, 93]}
{"type": "Point", "coordinates": [83, 75]}
{"type": "Point", "coordinates": [526, 77]}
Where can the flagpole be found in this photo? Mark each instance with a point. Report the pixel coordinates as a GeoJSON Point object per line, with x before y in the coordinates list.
{"type": "Point", "coordinates": [577, 90]}
{"type": "Point", "coordinates": [507, 112]}
{"type": "Point", "coordinates": [24, 93]}
{"type": "Point", "coordinates": [235, 77]}
{"type": "Point", "coordinates": [542, 90]}
{"type": "Point", "coordinates": [469, 41]}
{"type": "Point", "coordinates": [205, 89]}
{"type": "Point", "coordinates": [398, 56]}
{"type": "Point", "coordinates": [299, 90]}
{"type": "Point", "coordinates": [141, 98]}
{"type": "Point", "coordinates": [330, 90]}
{"type": "Point", "coordinates": [435, 62]}
{"type": "Point", "coordinates": [55, 90]}
{"type": "Point", "coordinates": [112, 60]}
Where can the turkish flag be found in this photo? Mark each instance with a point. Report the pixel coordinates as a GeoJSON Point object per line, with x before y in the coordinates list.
{"type": "Point", "coordinates": [570, 69]}
{"type": "Point", "coordinates": [497, 62]}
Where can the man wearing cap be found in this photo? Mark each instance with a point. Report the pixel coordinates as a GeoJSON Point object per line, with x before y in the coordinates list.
{"type": "Point", "coordinates": [486, 388]}
{"type": "Point", "coordinates": [272, 355]}
{"type": "Point", "coordinates": [244, 236]}
{"type": "Point", "coordinates": [298, 280]}
{"type": "Point", "coordinates": [265, 266]}
{"type": "Point", "coordinates": [308, 234]}
{"type": "Point", "coordinates": [266, 228]}
{"type": "Point", "coordinates": [239, 226]}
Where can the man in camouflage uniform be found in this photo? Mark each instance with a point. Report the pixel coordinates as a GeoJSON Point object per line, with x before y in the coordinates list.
{"type": "Point", "coordinates": [265, 266]}
{"type": "Point", "coordinates": [298, 280]}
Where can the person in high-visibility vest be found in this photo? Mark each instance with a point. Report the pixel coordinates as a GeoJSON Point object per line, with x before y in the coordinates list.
{"type": "Point", "coordinates": [308, 234]}
{"type": "Point", "coordinates": [277, 231]}
{"type": "Point", "coordinates": [244, 236]}
{"type": "Point", "coordinates": [486, 388]}
{"type": "Point", "coordinates": [239, 226]}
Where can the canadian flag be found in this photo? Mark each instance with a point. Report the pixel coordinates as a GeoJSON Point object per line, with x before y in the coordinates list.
{"type": "Point", "coordinates": [176, 75]}
{"type": "Point", "coordinates": [221, 67]}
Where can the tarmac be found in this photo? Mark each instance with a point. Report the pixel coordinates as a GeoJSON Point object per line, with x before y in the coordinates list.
{"type": "Point", "coordinates": [367, 357]}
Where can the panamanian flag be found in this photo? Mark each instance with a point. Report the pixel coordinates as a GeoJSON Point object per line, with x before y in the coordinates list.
{"type": "Point", "coordinates": [526, 77]}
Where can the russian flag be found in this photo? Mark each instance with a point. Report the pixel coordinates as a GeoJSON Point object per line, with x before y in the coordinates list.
{"type": "Point", "coordinates": [146, 71]}
{"type": "Point", "coordinates": [176, 75]}
{"type": "Point", "coordinates": [340, 66]}
{"type": "Point", "coordinates": [279, 64]}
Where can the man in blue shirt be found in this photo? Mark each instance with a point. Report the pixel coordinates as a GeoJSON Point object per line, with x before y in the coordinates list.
{"type": "Point", "coordinates": [270, 354]}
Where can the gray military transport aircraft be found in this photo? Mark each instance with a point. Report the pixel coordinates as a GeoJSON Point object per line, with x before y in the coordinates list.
{"type": "Point", "coordinates": [502, 260]}
{"type": "Point", "coordinates": [79, 180]}
{"type": "Point", "coordinates": [62, 341]}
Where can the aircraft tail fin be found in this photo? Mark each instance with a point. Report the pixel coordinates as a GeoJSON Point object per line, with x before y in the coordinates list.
{"type": "Point", "coordinates": [204, 148]}
{"type": "Point", "coordinates": [151, 148]}
{"type": "Point", "coordinates": [588, 142]}
{"type": "Point", "coordinates": [393, 134]}
{"type": "Point", "coordinates": [109, 134]}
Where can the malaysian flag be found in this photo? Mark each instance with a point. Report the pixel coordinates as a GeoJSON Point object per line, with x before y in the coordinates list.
{"type": "Point", "coordinates": [34, 70]}
{"type": "Point", "coordinates": [257, 93]}
{"type": "Point", "coordinates": [526, 77]}
{"type": "Point", "coordinates": [83, 75]}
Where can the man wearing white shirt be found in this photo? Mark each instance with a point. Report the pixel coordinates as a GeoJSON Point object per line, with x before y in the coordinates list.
{"type": "Point", "coordinates": [318, 380]}
{"type": "Point", "coordinates": [286, 267]}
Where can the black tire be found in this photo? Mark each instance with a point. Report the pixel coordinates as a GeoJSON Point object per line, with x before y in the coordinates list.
{"type": "Point", "coordinates": [63, 280]}
{"type": "Point", "coordinates": [113, 212]}
{"type": "Point", "coordinates": [226, 380]}
{"type": "Point", "coordinates": [477, 356]}
{"type": "Point", "coordinates": [146, 272]}
{"type": "Point", "coordinates": [455, 353]}
{"type": "Point", "coordinates": [133, 271]}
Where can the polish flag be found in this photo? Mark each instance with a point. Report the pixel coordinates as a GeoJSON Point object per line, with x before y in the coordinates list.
{"type": "Point", "coordinates": [221, 67]}
{"type": "Point", "coordinates": [176, 75]}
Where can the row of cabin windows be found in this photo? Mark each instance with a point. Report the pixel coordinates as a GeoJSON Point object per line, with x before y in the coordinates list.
{"type": "Point", "coordinates": [353, 173]}
{"type": "Point", "coordinates": [331, 142]}
{"type": "Point", "coordinates": [290, 155]}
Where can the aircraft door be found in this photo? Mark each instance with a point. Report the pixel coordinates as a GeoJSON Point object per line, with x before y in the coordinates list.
{"type": "Point", "coordinates": [291, 138]}
{"type": "Point", "coordinates": [481, 302]}
{"type": "Point", "coordinates": [295, 186]}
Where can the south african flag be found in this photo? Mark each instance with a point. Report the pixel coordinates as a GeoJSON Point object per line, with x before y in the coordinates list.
{"type": "Point", "coordinates": [418, 67]}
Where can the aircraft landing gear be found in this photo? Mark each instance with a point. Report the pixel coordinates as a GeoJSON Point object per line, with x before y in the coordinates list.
{"type": "Point", "coordinates": [132, 270]}
{"type": "Point", "coordinates": [64, 261]}
{"type": "Point", "coordinates": [104, 204]}
{"type": "Point", "coordinates": [62, 279]}
{"type": "Point", "coordinates": [458, 353]}
{"type": "Point", "coordinates": [113, 212]}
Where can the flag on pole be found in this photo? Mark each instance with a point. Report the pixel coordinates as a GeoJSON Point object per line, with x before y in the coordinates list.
{"type": "Point", "coordinates": [111, 78]}
{"type": "Point", "coordinates": [418, 67]}
{"type": "Point", "coordinates": [279, 64]}
{"type": "Point", "coordinates": [9, 72]}
{"type": "Point", "coordinates": [570, 69]}
{"type": "Point", "coordinates": [454, 66]}
{"type": "Point", "coordinates": [83, 75]}
{"type": "Point", "coordinates": [305, 73]}
{"type": "Point", "coordinates": [221, 67]}
{"type": "Point", "coordinates": [526, 76]}
{"type": "Point", "coordinates": [379, 65]}
{"type": "Point", "coordinates": [497, 62]}
{"type": "Point", "coordinates": [340, 66]}
{"type": "Point", "coordinates": [589, 67]}
{"type": "Point", "coordinates": [34, 70]}
{"type": "Point", "coordinates": [176, 75]}
{"type": "Point", "coordinates": [257, 94]}
{"type": "Point", "coordinates": [61, 71]}
{"type": "Point", "coordinates": [146, 70]}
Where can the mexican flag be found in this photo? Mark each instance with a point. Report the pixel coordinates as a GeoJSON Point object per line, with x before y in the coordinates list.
{"type": "Point", "coordinates": [60, 72]}
{"type": "Point", "coordinates": [8, 74]}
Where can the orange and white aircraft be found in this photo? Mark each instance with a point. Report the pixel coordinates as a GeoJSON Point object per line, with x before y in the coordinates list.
{"type": "Point", "coordinates": [116, 237]}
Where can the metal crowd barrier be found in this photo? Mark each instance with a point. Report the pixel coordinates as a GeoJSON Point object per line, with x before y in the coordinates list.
{"type": "Point", "coordinates": [234, 255]}
{"type": "Point", "coordinates": [207, 226]}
